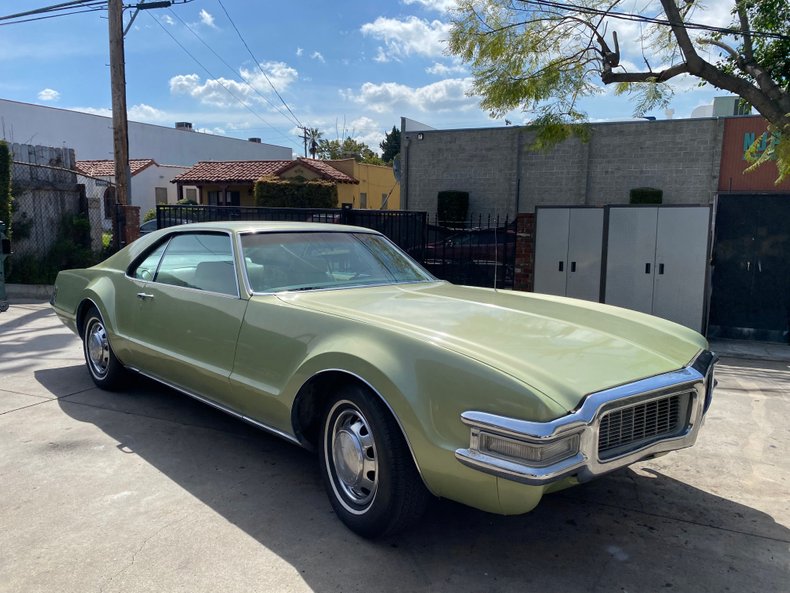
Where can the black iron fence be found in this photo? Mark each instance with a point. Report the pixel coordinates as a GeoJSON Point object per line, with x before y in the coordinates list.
{"type": "Point", "coordinates": [480, 251]}
{"type": "Point", "coordinates": [405, 229]}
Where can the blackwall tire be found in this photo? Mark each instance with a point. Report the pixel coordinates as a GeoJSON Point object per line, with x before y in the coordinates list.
{"type": "Point", "coordinates": [104, 368]}
{"type": "Point", "coordinates": [367, 467]}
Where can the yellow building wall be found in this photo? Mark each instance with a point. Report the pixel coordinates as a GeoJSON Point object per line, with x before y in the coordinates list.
{"type": "Point", "coordinates": [376, 182]}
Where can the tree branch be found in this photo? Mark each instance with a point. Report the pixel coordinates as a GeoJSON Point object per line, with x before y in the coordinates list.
{"type": "Point", "coordinates": [663, 76]}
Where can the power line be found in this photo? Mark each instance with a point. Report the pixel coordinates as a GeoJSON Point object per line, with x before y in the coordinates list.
{"type": "Point", "coordinates": [257, 63]}
{"type": "Point", "coordinates": [64, 9]}
{"type": "Point", "coordinates": [627, 16]}
{"type": "Point", "coordinates": [217, 79]}
{"type": "Point", "coordinates": [232, 69]}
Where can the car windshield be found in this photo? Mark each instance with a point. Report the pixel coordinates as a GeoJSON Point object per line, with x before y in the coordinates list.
{"type": "Point", "coordinates": [317, 260]}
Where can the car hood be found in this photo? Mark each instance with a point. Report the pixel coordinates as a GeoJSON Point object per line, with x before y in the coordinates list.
{"type": "Point", "coordinates": [563, 348]}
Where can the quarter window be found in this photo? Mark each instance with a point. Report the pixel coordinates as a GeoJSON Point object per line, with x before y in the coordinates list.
{"type": "Point", "coordinates": [202, 261]}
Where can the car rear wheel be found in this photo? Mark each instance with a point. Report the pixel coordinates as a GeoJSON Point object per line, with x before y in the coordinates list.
{"type": "Point", "coordinates": [105, 369]}
{"type": "Point", "coordinates": [368, 470]}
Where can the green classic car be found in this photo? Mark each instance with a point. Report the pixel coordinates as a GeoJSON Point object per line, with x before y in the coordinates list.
{"type": "Point", "coordinates": [406, 386]}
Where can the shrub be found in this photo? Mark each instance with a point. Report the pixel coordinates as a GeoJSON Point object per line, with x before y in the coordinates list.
{"type": "Point", "coordinates": [150, 215]}
{"type": "Point", "coordinates": [453, 206]}
{"type": "Point", "coordinates": [646, 195]}
{"type": "Point", "coordinates": [274, 192]}
{"type": "Point", "coordinates": [5, 186]}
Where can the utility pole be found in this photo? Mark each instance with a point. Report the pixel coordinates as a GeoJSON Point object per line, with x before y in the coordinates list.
{"type": "Point", "coordinates": [305, 137]}
{"type": "Point", "coordinates": [120, 125]}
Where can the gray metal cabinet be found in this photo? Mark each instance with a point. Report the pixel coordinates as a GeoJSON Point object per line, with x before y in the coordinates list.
{"type": "Point", "coordinates": [657, 261]}
{"type": "Point", "coordinates": [568, 248]}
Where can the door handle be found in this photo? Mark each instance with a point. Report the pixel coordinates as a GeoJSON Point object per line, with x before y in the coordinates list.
{"type": "Point", "coordinates": [573, 266]}
{"type": "Point", "coordinates": [748, 266]}
{"type": "Point", "coordinates": [142, 296]}
{"type": "Point", "coordinates": [647, 268]}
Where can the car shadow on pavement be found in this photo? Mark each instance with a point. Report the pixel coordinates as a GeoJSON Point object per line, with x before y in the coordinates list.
{"type": "Point", "coordinates": [635, 530]}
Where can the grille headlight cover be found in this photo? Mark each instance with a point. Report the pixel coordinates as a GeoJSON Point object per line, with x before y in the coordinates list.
{"type": "Point", "coordinates": [535, 454]}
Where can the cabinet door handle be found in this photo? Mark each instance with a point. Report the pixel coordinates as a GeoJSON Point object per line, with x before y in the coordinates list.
{"type": "Point", "coordinates": [562, 266]}
{"type": "Point", "coordinates": [573, 266]}
{"type": "Point", "coordinates": [660, 269]}
{"type": "Point", "coordinates": [647, 268]}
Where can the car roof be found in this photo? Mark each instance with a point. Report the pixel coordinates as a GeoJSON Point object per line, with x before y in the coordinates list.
{"type": "Point", "coordinates": [263, 226]}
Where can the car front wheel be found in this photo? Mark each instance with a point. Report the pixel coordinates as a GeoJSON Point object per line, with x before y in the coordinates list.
{"type": "Point", "coordinates": [105, 369]}
{"type": "Point", "coordinates": [367, 467]}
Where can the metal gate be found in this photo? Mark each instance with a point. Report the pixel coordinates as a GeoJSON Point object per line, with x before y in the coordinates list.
{"type": "Point", "coordinates": [750, 288]}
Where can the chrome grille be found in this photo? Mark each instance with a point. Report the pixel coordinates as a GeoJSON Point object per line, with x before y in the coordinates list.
{"type": "Point", "coordinates": [628, 428]}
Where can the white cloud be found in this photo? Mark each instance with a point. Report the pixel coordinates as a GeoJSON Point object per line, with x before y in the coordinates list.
{"type": "Point", "coordinates": [444, 95]}
{"type": "Point", "coordinates": [299, 51]}
{"type": "Point", "coordinates": [48, 95]}
{"type": "Point", "coordinates": [225, 92]}
{"type": "Point", "coordinates": [207, 18]}
{"type": "Point", "coordinates": [146, 113]}
{"type": "Point", "coordinates": [412, 35]}
{"type": "Point", "coordinates": [443, 69]}
{"type": "Point", "coordinates": [168, 20]}
{"type": "Point", "coordinates": [316, 55]}
{"type": "Point", "coordinates": [438, 5]}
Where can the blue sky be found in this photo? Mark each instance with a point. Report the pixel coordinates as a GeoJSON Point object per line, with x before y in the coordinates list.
{"type": "Point", "coordinates": [349, 67]}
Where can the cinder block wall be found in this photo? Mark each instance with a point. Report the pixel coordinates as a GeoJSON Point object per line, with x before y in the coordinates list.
{"type": "Point", "coordinates": [503, 176]}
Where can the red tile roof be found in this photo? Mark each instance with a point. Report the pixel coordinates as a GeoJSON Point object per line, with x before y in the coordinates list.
{"type": "Point", "coordinates": [251, 171]}
{"type": "Point", "coordinates": [106, 168]}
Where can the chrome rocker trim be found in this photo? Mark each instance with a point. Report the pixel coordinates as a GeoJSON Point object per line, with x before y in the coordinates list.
{"type": "Point", "coordinates": [695, 379]}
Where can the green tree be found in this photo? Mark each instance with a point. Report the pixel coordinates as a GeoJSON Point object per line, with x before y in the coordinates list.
{"type": "Point", "coordinates": [544, 56]}
{"type": "Point", "coordinates": [390, 146]}
{"type": "Point", "coordinates": [313, 137]}
{"type": "Point", "coordinates": [349, 148]}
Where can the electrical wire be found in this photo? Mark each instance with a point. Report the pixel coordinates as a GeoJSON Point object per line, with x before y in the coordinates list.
{"type": "Point", "coordinates": [232, 69]}
{"type": "Point", "coordinates": [64, 9]}
{"type": "Point", "coordinates": [627, 16]}
{"type": "Point", "coordinates": [218, 80]}
{"type": "Point", "coordinates": [257, 63]}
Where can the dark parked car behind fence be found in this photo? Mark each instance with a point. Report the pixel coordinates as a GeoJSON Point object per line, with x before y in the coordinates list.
{"type": "Point", "coordinates": [477, 252]}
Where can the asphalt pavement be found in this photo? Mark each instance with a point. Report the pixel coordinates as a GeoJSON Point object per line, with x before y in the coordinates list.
{"type": "Point", "coordinates": [147, 490]}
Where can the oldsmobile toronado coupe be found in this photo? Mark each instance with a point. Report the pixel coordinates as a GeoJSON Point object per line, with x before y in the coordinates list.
{"type": "Point", "coordinates": [407, 387]}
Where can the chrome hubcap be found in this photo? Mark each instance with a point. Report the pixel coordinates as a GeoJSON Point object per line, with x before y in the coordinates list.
{"type": "Point", "coordinates": [354, 457]}
{"type": "Point", "coordinates": [98, 349]}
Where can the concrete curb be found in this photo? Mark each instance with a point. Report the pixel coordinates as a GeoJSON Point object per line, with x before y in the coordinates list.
{"type": "Point", "coordinates": [41, 292]}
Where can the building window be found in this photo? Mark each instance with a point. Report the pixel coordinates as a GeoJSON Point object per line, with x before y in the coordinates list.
{"type": "Point", "coordinates": [191, 194]}
{"type": "Point", "coordinates": [363, 200]}
{"type": "Point", "coordinates": [161, 195]}
{"type": "Point", "coordinates": [233, 198]}
{"type": "Point", "coordinates": [384, 204]}
{"type": "Point", "coordinates": [213, 198]}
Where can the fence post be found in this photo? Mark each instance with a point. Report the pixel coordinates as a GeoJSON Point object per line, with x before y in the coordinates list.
{"type": "Point", "coordinates": [525, 252]}
{"type": "Point", "coordinates": [345, 213]}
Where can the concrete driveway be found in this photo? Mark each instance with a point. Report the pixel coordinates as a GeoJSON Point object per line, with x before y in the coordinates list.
{"type": "Point", "coordinates": [146, 490]}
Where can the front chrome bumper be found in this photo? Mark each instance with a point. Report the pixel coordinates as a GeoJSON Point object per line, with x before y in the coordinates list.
{"type": "Point", "coordinates": [695, 382]}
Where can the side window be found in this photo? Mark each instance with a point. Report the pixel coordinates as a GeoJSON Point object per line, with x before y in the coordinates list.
{"type": "Point", "coordinates": [199, 260]}
{"type": "Point", "coordinates": [146, 269]}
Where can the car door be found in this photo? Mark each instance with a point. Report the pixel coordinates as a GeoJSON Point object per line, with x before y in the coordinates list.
{"type": "Point", "coordinates": [190, 315]}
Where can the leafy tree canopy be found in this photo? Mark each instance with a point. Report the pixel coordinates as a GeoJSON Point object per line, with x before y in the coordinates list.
{"type": "Point", "coordinates": [544, 56]}
{"type": "Point", "coordinates": [390, 146]}
{"type": "Point", "coordinates": [348, 148]}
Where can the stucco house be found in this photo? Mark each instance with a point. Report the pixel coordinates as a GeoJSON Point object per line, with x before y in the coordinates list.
{"type": "Point", "coordinates": [231, 183]}
{"type": "Point", "coordinates": [150, 184]}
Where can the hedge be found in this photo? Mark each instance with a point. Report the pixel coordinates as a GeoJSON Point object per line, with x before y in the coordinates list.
{"type": "Point", "coordinates": [274, 192]}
